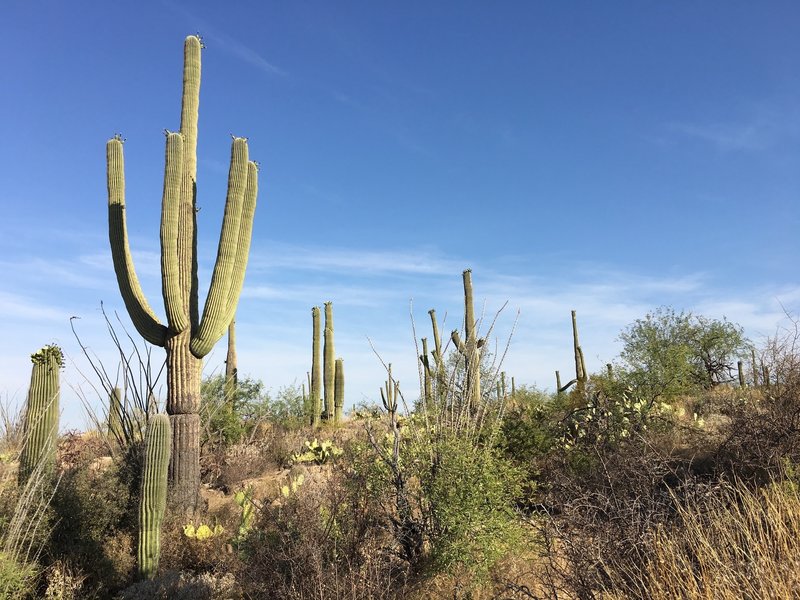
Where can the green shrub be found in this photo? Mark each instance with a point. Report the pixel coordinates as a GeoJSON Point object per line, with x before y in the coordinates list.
{"type": "Point", "coordinates": [470, 494]}
{"type": "Point", "coordinates": [17, 580]}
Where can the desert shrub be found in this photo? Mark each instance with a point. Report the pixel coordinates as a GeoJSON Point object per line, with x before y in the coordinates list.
{"type": "Point", "coordinates": [17, 579]}
{"type": "Point", "coordinates": [173, 585]}
{"type": "Point", "coordinates": [94, 512]}
{"type": "Point", "coordinates": [324, 538]}
{"type": "Point", "coordinates": [226, 419]}
{"type": "Point", "coordinates": [468, 498]}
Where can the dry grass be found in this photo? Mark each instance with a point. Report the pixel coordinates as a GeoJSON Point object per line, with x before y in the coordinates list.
{"type": "Point", "coordinates": [739, 544]}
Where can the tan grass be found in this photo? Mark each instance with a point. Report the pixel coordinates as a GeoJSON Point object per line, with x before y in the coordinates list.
{"type": "Point", "coordinates": [741, 544]}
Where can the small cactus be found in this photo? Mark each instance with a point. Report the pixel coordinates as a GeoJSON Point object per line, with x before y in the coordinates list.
{"type": "Point", "coordinates": [153, 499]}
{"type": "Point", "coordinates": [115, 414]}
{"type": "Point", "coordinates": [42, 414]}
{"type": "Point", "coordinates": [389, 398]}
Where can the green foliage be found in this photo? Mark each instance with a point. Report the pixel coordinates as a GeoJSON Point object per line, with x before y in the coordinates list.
{"type": "Point", "coordinates": [317, 452]}
{"type": "Point", "coordinates": [470, 495]}
{"type": "Point", "coordinates": [228, 420]}
{"type": "Point", "coordinates": [17, 580]}
{"type": "Point", "coordinates": [526, 432]}
{"type": "Point", "coordinates": [667, 354]}
{"type": "Point", "coordinates": [93, 509]}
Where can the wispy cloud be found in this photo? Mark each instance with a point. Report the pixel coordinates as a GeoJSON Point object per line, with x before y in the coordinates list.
{"type": "Point", "coordinates": [765, 127]}
{"type": "Point", "coordinates": [14, 306]}
{"type": "Point", "coordinates": [351, 261]}
{"type": "Point", "coordinates": [225, 42]}
{"type": "Point", "coordinates": [245, 53]}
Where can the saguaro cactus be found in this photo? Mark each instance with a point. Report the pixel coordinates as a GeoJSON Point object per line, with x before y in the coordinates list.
{"type": "Point", "coordinates": [581, 377]}
{"type": "Point", "coordinates": [329, 367]}
{"type": "Point", "coordinates": [338, 396]}
{"type": "Point", "coordinates": [153, 499]}
{"type": "Point", "coordinates": [470, 348]}
{"type": "Point", "coordinates": [115, 413]}
{"type": "Point", "coordinates": [186, 337]}
{"type": "Point", "coordinates": [231, 366]}
{"type": "Point", "coordinates": [389, 398]}
{"type": "Point", "coordinates": [41, 413]}
{"type": "Point", "coordinates": [316, 369]}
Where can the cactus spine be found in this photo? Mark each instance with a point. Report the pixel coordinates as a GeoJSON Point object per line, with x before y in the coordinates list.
{"type": "Point", "coordinates": [187, 338]}
{"type": "Point", "coordinates": [153, 499]}
{"type": "Point", "coordinates": [42, 413]}
{"type": "Point", "coordinates": [329, 367]}
{"type": "Point", "coordinates": [316, 369]}
{"type": "Point", "coordinates": [470, 348]}
{"type": "Point", "coordinates": [338, 396]}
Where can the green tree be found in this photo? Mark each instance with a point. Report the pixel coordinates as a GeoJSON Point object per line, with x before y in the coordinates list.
{"type": "Point", "coordinates": [668, 353]}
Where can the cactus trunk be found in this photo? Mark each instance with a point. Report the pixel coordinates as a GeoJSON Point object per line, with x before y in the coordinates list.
{"type": "Point", "coordinates": [42, 414]}
{"type": "Point", "coordinates": [338, 397]}
{"type": "Point", "coordinates": [329, 367]}
{"type": "Point", "coordinates": [316, 369]}
{"type": "Point", "coordinates": [231, 366]}
{"type": "Point", "coordinates": [470, 348]}
{"type": "Point", "coordinates": [153, 498]}
{"type": "Point", "coordinates": [186, 337]}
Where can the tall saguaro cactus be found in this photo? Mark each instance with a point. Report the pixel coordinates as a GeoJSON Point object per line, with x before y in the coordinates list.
{"type": "Point", "coordinates": [231, 366]}
{"type": "Point", "coordinates": [186, 337]}
{"type": "Point", "coordinates": [329, 366]}
{"type": "Point", "coordinates": [316, 368]}
{"type": "Point", "coordinates": [338, 396]}
{"type": "Point", "coordinates": [471, 347]}
{"type": "Point", "coordinates": [42, 413]}
{"type": "Point", "coordinates": [581, 377]}
{"type": "Point", "coordinates": [153, 499]}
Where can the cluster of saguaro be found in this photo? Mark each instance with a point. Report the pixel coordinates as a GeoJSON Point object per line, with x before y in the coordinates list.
{"type": "Point", "coordinates": [153, 498]}
{"type": "Point", "coordinates": [42, 413]}
{"type": "Point", "coordinates": [326, 380]}
{"type": "Point", "coordinates": [470, 348]}
{"type": "Point", "coordinates": [389, 396]}
{"type": "Point", "coordinates": [581, 376]}
{"type": "Point", "coordinates": [186, 337]}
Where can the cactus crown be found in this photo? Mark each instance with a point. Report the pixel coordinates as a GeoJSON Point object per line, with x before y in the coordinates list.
{"type": "Point", "coordinates": [48, 354]}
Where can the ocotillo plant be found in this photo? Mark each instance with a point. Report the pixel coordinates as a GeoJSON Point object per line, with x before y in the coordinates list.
{"type": "Point", "coordinates": [329, 367]}
{"type": "Point", "coordinates": [187, 338]}
{"type": "Point", "coordinates": [470, 348]}
{"type": "Point", "coordinates": [153, 499]}
{"type": "Point", "coordinates": [338, 396]}
{"type": "Point", "coordinates": [316, 369]}
{"type": "Point", "coordinates": [42, 413]}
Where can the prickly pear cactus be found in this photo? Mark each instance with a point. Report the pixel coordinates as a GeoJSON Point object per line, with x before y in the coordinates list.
{"type": "Point", "coordinates": [153, 499]}
{"type": "Point", "coordinates": [42, 413]}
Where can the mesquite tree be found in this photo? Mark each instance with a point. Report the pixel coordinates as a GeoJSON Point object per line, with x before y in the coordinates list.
{"type": "Point", "coordinates": [186, 337]}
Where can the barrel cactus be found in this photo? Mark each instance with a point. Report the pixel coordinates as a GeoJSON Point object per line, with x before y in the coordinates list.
{"type": "Point", "coordinates": [42, 413]}
{"type": "Point", "coordinates": [153, 499]}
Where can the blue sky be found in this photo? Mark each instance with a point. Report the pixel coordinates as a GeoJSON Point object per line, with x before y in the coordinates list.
{"type": "Point", "coordinates": [603, 157]}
